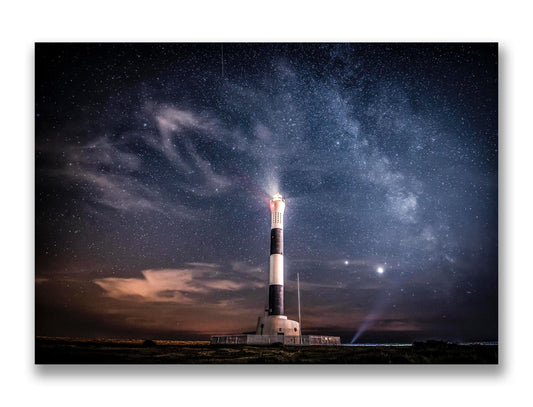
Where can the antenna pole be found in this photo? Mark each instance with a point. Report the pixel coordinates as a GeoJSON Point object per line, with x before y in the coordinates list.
{"type": "Point", "coordinates": [299, 316]}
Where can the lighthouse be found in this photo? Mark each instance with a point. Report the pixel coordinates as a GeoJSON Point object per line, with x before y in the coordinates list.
{"type": "Point", "coordinates": [276, 323]}
{"type": "Point", "coordinates": [275, 282]}
{"type": "Point", "coordinates": [274, 326]}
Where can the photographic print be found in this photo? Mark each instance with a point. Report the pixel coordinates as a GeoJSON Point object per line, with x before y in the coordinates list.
{"type": "Point", "coordinates": [266, 203]}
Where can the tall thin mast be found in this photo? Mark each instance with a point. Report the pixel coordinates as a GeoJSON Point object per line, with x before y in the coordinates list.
{"type": "Point", "coordinates": [299, 316]}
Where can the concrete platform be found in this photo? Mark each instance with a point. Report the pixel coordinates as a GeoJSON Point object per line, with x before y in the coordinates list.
{"type": "Point", "coordinates": [304, 340]}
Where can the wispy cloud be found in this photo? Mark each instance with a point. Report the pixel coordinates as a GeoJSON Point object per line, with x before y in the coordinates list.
{"type": "Point", "coordinates": [171, 285]}
{"type": "Point", "coordinates": [172, 124]}
{"type": "Point", "coordinates": [102, 152]}
{"type": "Point", "coordinates": [123, 192]}
{"type": "Point", "coordinates": [179, 131]}
{"type": "Point", "coordinates": [113, 177]}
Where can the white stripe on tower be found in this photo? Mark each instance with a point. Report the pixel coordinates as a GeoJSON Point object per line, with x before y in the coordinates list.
{"type": "Point", "coordinates": [276, 269]}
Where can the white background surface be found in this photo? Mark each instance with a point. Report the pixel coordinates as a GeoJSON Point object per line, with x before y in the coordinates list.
{"type": "Point", "coordinates": [24, 22]}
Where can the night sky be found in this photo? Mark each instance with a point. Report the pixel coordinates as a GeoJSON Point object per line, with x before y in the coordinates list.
{"type": "Point", "coordinates": [155, 164]}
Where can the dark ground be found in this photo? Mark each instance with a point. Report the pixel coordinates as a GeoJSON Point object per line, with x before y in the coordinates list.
{"type": "Point", "coordinates": [81, 351]}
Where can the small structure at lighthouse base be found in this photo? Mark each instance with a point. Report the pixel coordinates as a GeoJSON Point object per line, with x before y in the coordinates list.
{"type": "Point", "coordinates": [277, 325]}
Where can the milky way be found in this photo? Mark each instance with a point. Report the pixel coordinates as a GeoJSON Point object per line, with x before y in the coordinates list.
{"type": "Point", "coordinates": [155, 164]}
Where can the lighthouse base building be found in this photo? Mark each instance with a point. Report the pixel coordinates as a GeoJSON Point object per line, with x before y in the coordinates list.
{"type": "Point", "coordinates": [275, 327]}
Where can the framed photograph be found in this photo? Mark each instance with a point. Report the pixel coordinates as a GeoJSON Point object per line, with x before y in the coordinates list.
{"type": "Point", "coordinates": [266, 203]}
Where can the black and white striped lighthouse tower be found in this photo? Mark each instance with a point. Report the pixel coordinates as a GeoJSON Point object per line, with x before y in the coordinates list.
{"type": "Point", "coordinates": [276, 323]}
{"type": "Point", "coordinates": [275, 289]}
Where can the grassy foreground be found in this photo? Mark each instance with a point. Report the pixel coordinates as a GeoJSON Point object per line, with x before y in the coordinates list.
{"type": "Point", "coordinates": [83, 351]}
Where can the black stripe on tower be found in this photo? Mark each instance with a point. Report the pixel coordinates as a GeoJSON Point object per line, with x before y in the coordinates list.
{"type": "Point", "coordinates": [275, 299]}
{"type": "Point", "coordinates": [276, 241]}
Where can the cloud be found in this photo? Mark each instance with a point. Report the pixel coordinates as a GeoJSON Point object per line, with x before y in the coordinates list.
{"type": "Point", "coordinates": [178, 133]}
{"type": "Point", "coordinates": [110, 174]}
{"type": "Point", "coordinates": [121, 192]}
{"type": "Point", "coordinates": [247, 268]}
{"type": "Point", "coordinates": [171, 285]}
{"type": "Point", "coordinates": [113, 177]}
{"type": "Point", "coordinates": [102, 152]}
{"type": "Point", "coordinates": [199, 299]}
{"type": "Point", "coordinates": [127, 193]}
{"type": "Point", "coordinates": [172, 123]}
{"type": "Point", "coordinates": [203, 265]}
